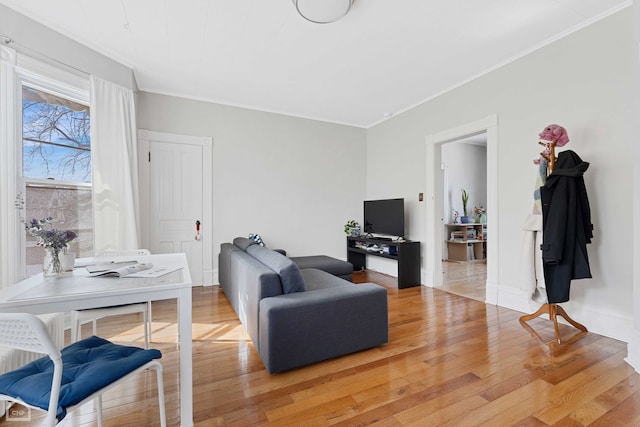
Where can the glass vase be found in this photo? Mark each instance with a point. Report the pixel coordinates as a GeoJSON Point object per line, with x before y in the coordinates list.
{"type": "Point", "coordinates": [52, 264]}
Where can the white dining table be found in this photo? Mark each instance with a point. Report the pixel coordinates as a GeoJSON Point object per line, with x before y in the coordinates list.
{"type": "Point", "coordinates": [76, 290]}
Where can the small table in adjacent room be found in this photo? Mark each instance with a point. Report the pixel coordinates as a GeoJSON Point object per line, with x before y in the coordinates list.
{"type": "Point", "coordinates": [466, 242]}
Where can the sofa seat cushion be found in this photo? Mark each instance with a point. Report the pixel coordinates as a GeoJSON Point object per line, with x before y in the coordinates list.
{"type": "Point", "coordinates": [290, 277]}
{"type": "Point", "coordinates": [307, 327]}
{"type": "Point", "coordinates": [315, 279]}
{"type": "Point", "coordinates": [333, 266]}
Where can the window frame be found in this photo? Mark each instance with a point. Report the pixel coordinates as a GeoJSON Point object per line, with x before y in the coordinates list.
{"type": "Point", "coordinates": [16, 70]}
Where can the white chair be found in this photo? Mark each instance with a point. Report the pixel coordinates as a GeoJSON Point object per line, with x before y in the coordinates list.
{"type": "Point", "coordinates": [91, 367]}
{"type": "Point", "coordinates": [80, 317]}
{"type": "Point", "coordinates": [12, 358]}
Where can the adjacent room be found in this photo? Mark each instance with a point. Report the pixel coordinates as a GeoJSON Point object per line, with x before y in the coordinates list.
{"type": "Point", "coordinates": [464, 170]}
{"type": "Point", "coordinates": [318, 212]}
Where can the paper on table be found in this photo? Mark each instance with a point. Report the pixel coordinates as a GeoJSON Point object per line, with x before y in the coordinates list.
{"type": "Point", "coordinates": [122, 271]}
{"type": "Point", "coordinates": [107, 266]}
{"type": "Point", "coordinates": [155, 272]}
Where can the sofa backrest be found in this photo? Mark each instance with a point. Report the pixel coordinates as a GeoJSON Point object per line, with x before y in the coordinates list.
{"type": "Point", "coordinates": [289, 273]}
{"type": "Point", "coordinates": [243, 243]}
{"type": "Point", "coordinates": [251, 282]}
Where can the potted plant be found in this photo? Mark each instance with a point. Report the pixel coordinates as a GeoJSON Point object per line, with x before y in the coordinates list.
{"type": "Point", "coordinates": [465, 199]}
{"type": "Point", "coordinates": [352, 228]}
{"type": "Point", "coordinates": [55, 242]}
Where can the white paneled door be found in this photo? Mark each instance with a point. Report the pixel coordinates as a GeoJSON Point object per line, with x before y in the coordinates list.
{"type": "Point", "coordinates": [178, 199]}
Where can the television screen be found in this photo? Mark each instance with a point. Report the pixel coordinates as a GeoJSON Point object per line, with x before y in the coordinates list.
{"type": "Point", "coordinates": [384, 217]}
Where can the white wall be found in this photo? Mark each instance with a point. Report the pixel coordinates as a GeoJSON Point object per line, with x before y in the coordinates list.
{"type": "Point", "coordinates": [634, 343]}
{"type": "Point", "coordinates": [467, 168]}
{"type": "Point", "coordinates": [294, 181]}
{"type": "Point", "coordinates": [580, 82]}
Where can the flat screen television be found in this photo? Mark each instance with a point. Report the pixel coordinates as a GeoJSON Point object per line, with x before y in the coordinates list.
{"type": "Point", "coordinates": [384, 217]}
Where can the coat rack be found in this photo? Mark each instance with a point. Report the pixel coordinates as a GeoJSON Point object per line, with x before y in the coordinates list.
{"type": "Point", "coordinates": [553, 310]}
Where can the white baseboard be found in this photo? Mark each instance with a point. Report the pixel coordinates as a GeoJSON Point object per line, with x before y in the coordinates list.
{"type": "Point", "coordinates": [210, 277]}
{"type": "Point", "coordinates": [609, 324]}
{"type": "Point", "coordinates": [491, 293]}
{"type": "Point", "coordinates": [514, 298]}
{"type": "Point", "coordinates": [633, 349]}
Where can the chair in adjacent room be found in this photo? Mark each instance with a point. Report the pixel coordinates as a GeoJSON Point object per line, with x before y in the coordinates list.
{"type": "Point", "coordinates": [67, 378]}
{"type": "Point", "coordinates": [80, 317]}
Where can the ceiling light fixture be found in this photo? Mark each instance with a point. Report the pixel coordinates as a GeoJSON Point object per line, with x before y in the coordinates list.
{"type": "Point", "coordinates": [323, 11]}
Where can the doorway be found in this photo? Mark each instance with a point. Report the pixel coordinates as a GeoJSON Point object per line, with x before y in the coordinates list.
{"type": "Point", "coordinates": [435, 221]}
{"type": "Point", "coordinates": [464, 168]}
{"type": "Point", "coordinates": [175, 183]}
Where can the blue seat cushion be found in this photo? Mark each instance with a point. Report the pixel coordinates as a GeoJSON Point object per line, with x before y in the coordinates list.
{"type": "Point", "coordinates": [88, 366]}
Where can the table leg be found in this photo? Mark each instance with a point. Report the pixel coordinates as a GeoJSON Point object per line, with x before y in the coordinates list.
{"type": "Point", "coordinates": [186, 360]}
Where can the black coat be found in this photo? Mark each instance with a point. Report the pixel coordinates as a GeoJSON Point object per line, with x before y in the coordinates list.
{"type": "Point", "coordinates": [566, 226]}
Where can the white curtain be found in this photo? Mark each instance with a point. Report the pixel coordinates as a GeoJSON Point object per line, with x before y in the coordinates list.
{"type": "Point", "coordinates": [115, 167]}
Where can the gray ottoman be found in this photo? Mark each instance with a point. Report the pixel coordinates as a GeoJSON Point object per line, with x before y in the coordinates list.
{"type": "Point", "coordinates": [337, 267]}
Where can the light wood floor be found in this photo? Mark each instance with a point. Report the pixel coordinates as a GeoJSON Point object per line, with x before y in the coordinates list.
{"type": "Point", "coordinates": [466, 278]}
{"type": "Point", "coordinates": [450, 361]}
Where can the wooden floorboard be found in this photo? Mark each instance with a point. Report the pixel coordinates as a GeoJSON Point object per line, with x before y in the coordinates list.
{"type": "Point", "coordinates": [466, 278]}
{"type": "Point", "coordinates": [450, 361]}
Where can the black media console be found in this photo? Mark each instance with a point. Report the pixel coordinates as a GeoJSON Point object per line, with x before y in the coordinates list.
{"type": "Point", "coordinates": [406, 253]}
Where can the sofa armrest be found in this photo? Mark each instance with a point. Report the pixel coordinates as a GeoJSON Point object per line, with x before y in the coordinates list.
{"type": "Point", "coordinates": [305, 327]}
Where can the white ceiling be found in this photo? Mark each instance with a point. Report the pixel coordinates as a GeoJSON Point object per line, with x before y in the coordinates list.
{"type": "Point", "coordinates": [381, 59]}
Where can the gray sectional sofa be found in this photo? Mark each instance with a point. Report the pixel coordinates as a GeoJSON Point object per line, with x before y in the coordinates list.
{"type": "Point", "coordinates": [298, 316]}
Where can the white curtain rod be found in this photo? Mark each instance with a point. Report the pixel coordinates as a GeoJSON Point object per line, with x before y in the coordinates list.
{"type": "Point", "coordinates": [8, 41]}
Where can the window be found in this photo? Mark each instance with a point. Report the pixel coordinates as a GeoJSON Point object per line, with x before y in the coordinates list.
{"type": "Point", "coordinates": [56, 137]}
{"type": "Point", "coordinates": [56, 168]}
